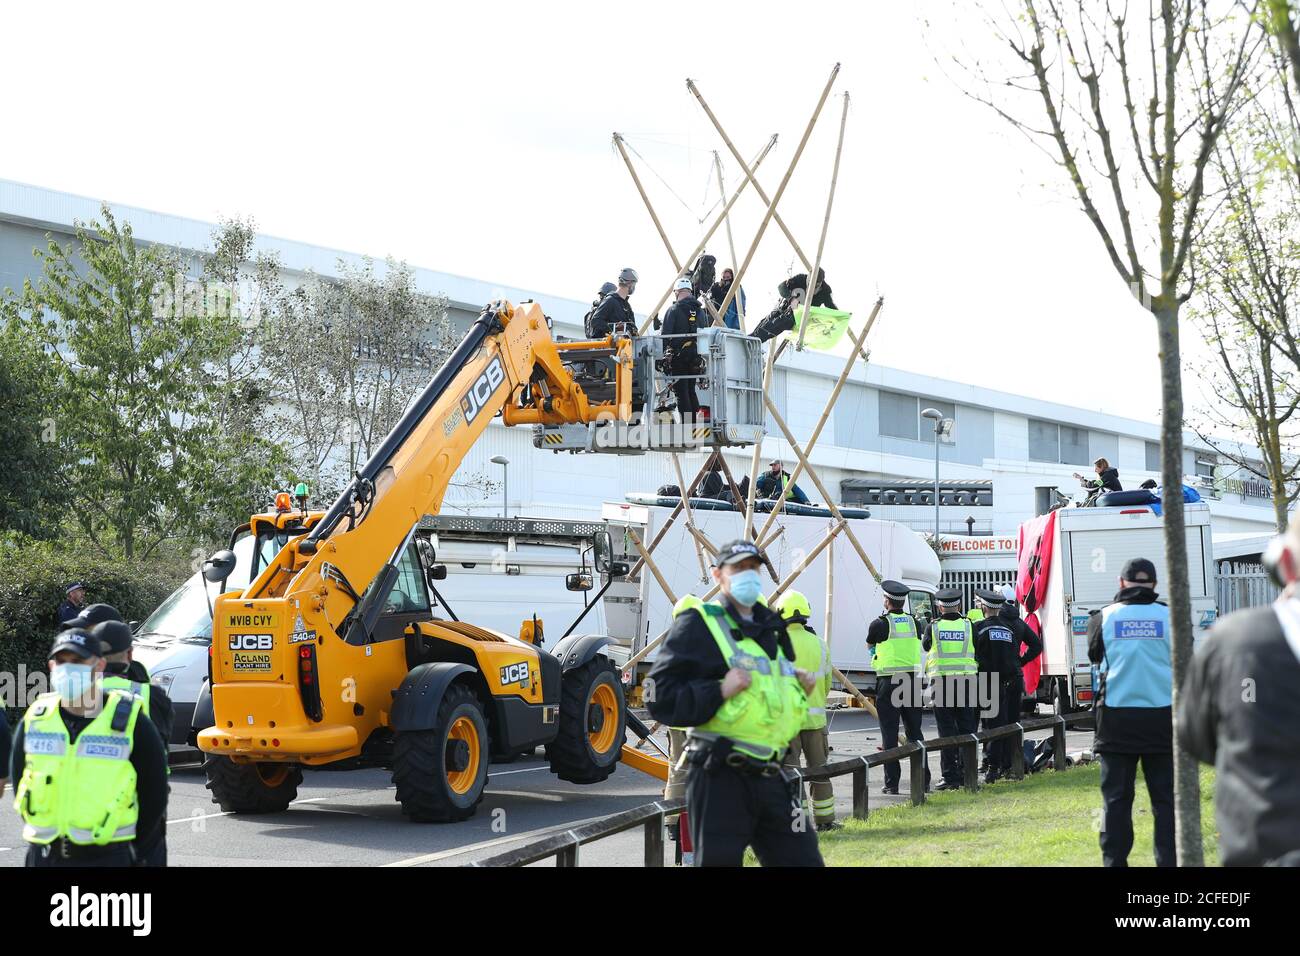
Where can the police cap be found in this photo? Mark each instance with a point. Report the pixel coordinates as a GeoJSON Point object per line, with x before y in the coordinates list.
{"type": "Point", "coordinates": [989, 598]}
{"type": "Point", "coordinates": [91, 615]}
{"type": "Point", "coordinates": [78, 641]}
{"type": "Point", "coordinates": [734, 551]}
{"type": "Point", "coordinates": [895, 589]}
{"type": "Point", "coordinates": [115, 636]}
{"type": "Point", "coordinates": [948, 596]}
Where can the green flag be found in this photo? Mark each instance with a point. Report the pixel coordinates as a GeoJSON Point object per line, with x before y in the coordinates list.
{"type": "Point", "coordinates": [825, 327]}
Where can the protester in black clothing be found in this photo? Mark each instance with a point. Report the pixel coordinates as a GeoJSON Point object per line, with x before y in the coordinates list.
{"type": "Point", "coordinates": [1107, 479]}
{"type": "Point", "coordinates": [614, 311]}
{"type": "Point", "coordinates": [680, 325]}
{"type": "Point", "coordinates": [821, 298]}
{"type": "Point", "coordinates": [1239, 710]}
{"type": "Point", "coordinates": [733, 798]}
{"type": "Point", "coordinates": [997, 652]}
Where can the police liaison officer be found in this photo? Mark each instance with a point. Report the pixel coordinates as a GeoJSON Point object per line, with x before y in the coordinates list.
{"type": "Point", "coordinates": [950, 643]}
{"type": "Point", "coordinates": [895, 638]}
{"type": "Point", "coordinates": [998, 637]}
{"type": "Point", "coordinates": [727, 672]}
{"type": "Point", "coordinates": [122, 672]}
{"type": "Point", "coordinates": [89, 770]}
{"type": "Point", "coordinates": [1129, 642]}
{"type": "Point", "coordinates": [812, 741]}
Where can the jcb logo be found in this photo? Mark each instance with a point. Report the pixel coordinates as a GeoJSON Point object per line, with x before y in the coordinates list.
{"type": "Point", "coordinates": [251, 642]}
{"type": "Point", "coordinates": [515, 674]}
{"type": "Point", "coordinates": [481, 391]}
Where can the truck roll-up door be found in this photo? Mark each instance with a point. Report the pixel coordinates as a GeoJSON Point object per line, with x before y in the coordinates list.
{"type": "Point", "coordinates": [1097, 557]}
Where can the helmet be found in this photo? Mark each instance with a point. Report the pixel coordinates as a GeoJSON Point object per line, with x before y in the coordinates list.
{"type": "Point", "coordinates": [607, 288]}
{"type": "Point", "coordinates": [793, 606]}
{"type": "Point", "coordinates": [683, 282]}
{"type": "Point", "coordinates": [627, 276]}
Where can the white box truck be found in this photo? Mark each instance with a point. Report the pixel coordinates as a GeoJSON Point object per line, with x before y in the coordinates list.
{"type": "Point", "coordinates": [637, 611]}
{"type": "Point", "coordinates": [1089, 549]}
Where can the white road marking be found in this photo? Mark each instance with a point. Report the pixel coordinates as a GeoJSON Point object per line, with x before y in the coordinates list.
{"type": "Point", "coordinates": [502, 773]}
{"type": "Point", "coordinates": [459, 851]}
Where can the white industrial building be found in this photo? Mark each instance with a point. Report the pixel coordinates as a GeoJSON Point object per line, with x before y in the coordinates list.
{"type": "Point", "coordinates": [1006, 454]}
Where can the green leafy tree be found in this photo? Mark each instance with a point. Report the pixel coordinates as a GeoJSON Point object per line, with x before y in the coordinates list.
{"type": "Point", "coordinates": [32, 492]}
{"type": "Point", "coordinates": [136, 348]}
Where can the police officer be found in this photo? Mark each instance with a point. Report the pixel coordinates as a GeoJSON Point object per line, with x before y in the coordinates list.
{"type": "Point", "coordinates": [614, 310]}
{"type": "Point", "coordinates": [895, 638]}
{"type": "Point", "coordinates": [680, 325]}
{"type": "Point", "coordinates": [90, 615]}
{"type": "Point", "coordinates": [122, 672]}
{"type": "Point", "coordinates": [1129, 642]}
{"type": "Point", "coordinates": [74, 600]}
{"type": "Point", "coordinates": [813, 742]}
{"type": "Point", "coordinates": [727, 672]}
{"type": "Point", "coordinates": [950, 643]}
{"type": "Point", "coordinates": [998, 637]}
{"type": "Point", "coordinates": [89, 770]}
{"type": "Point", "coordinates": [6, 742]}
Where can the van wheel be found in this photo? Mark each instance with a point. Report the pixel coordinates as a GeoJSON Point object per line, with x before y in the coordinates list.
{"type": "Point", "coordinates": [267, 787]}
{"type": "Point", "coordinates": [593, 723]}
{"type": "Point", "coordinates": [441, 773]}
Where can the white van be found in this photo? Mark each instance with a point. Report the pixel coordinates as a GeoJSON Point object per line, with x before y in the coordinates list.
{"type": "Point", "coordinates": [1089, 549]}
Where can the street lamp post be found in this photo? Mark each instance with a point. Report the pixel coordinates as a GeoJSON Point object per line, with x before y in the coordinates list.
{"type": "Point", "coordinates": [935, 416]}
{"type": "Point", "coordinates": [504, 462]}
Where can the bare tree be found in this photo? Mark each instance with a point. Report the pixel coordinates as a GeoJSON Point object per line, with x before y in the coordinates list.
{"type": "Point", "coordinates": [1249, 302]}
{"type": "Point", "coordinates": [1129, 100]}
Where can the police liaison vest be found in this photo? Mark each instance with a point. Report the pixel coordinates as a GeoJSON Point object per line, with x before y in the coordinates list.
{"type": "Point", "coordinates": [901, 653]}
{"type": "Point", "coordinates": [1136, 670]}
{"type": "Point", "coordinates": [85, 792]}
{"type": "Point", "coordinates": [762, 719]}
{"type": "Point", "coordinates": [952, 650]}
{"type": "Point", "coordinates": [810, 655]}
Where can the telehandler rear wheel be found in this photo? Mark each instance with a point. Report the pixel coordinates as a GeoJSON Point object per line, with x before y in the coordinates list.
{"type": "Point", "coordinates": [593, 719]}
{"type": "Point", "coordinates": [251, 787]}
{"type": "Point", "coordinates": [440, 774]}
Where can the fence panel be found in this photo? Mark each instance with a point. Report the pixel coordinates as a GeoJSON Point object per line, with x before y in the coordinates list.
{"type": "Point", "coordinates": [1241, 585]}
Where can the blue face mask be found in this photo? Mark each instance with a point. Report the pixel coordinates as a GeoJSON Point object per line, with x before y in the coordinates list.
{"type": "Point", "coordinates": [745, 587]}
{"type": "Point", "coordinates": [72, 681]}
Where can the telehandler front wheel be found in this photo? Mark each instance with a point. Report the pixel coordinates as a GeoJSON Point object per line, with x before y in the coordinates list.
{"type": "Point", "coordinates": [440, 773]}
{"type": "Point", "coordinates": [593, 720]}
{"type": "Point", "coordinates": [267, 787]}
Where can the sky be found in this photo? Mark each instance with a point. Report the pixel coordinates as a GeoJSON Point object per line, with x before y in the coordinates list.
{"type": "Point", "coordinates": [476, 139]}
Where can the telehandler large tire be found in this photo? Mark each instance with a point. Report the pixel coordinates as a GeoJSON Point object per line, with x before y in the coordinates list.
{"type": "Point", "coordinates": [267, 787]}
{"type": "Point", "coordinates": [593, 719]}
{"type": "Point", "coordinates": [440, 774]}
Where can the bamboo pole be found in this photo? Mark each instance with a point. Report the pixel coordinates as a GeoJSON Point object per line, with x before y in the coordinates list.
{"type": "Point", "coordinates": [860, 697]}
{"type": "Point", "coordinates": [808, 559]}
{"type": "Point", "coordinates": [659, 535]}
{"type": "Point", "coordinates": [654, 568]}
{"type": "Point", "coordinates": [709, 235]}
{"type": "Point", "coordinates": [731, 481]}
{"type": "Point", "coordinates": [830, 600]}
{"type": "Point", "coordinates": [780, 191]}
{"type": "Point", "coordinates": [821, 243]}
{"type": "Point", "coordinates": [749, 173]}
{"type": "Point", "coordinates": [618, 141]}
{"type": "Point", "coordinates": [830, 403]}
{"type": "Point", "coordinates": [758, 445]}
{"type": "Point", "coordinates": [690, 520]}
{"type": "Point", "coordinates": [731, 245]}
{"type": "Point", "coordinates": [830, 504]}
